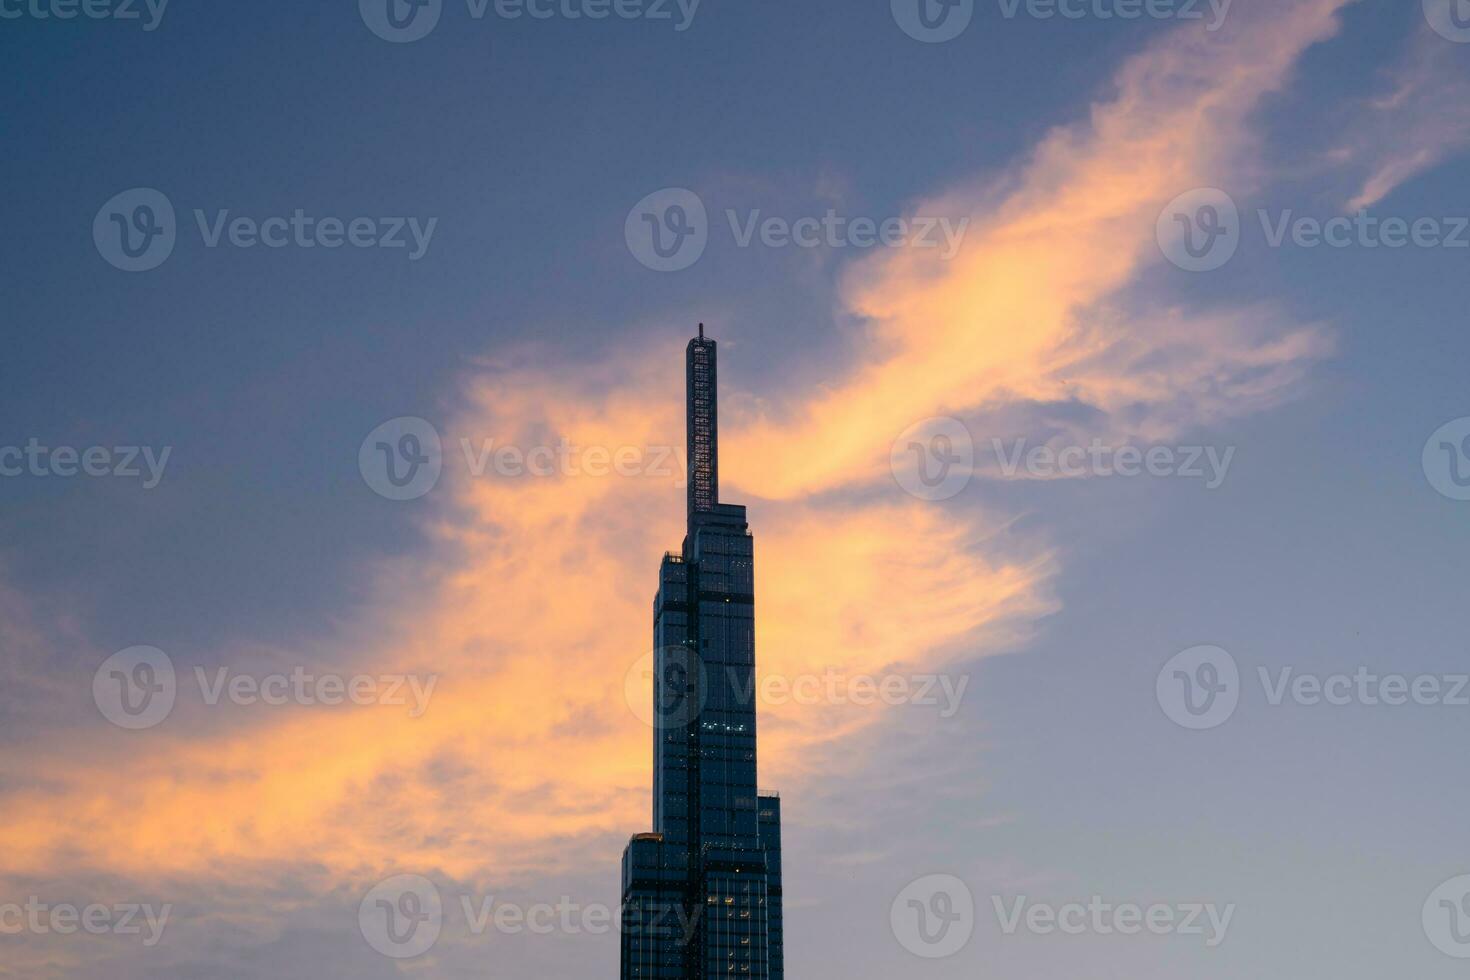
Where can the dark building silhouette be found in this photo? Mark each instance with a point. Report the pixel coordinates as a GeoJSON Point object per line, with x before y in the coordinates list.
{"type": "Point", "coordinates": [702, 893]}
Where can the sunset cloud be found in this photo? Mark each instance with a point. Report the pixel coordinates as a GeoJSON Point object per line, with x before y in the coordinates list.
{"type": "Point", "coordinates": [531, 600]}
{"type": "Point", "coordinates": [1028, 311]}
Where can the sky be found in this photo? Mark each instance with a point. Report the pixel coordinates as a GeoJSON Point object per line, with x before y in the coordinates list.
{"type": "Point", "coordinates": [1089, 370]}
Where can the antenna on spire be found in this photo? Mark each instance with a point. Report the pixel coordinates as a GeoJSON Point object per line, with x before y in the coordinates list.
{"type": "Point", "coordinates": [701, 331]}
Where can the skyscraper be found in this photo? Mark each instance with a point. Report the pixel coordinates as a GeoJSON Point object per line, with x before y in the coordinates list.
{"type": "Point", "coordinates": [702, 892]}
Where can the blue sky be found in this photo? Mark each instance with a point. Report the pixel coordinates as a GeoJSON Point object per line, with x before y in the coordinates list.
{"type": "Point", "coordinates": [264, 547]}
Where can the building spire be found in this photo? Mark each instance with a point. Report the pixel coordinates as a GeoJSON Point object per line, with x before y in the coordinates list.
{"type": "Point", "coordinates": [702, 417]}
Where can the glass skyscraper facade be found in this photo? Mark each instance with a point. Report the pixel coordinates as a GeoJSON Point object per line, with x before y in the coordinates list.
{"type": "Point", "coordinates": [702, 893]}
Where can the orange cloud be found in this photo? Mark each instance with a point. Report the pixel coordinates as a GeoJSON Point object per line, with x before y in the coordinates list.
{"type": "Point", "coordinates": [1013, 317]}
{"type": "Point", "coordinates": [534, 599]}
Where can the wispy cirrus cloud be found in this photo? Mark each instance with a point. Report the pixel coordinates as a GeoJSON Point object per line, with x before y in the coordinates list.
{"type": "Point", "coordinates": [1421, 120]}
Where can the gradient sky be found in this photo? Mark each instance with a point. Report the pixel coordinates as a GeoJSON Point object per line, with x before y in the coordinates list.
{"type": "Point", "coordinates": [1059, 320]}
